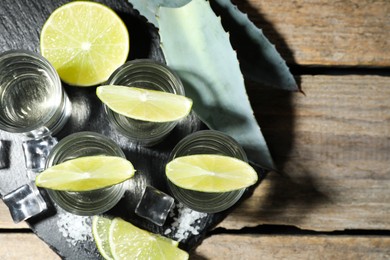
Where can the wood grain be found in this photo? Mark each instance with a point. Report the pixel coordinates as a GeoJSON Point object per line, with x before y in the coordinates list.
{"type": "Point", "coordinates": [236, 247]}
{"type": "Point", "coordinates": [24, 246]}
{"type": "Point", "coordinates": [247, 247]}
{"type": "Point", "coordinates": [6, 220]}
{"type": "Point", "coordinates": [317, 32]}
{"type": "Point", "coordinates": [332, 146]}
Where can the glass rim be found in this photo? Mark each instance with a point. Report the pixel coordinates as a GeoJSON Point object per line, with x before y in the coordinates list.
{"type": "Point", "coordinates": [61, 198]}
{"type": "Point", "coordinates": [196, 200]}
{"type": "Point", "coordinates": [147, 62]}
{"type": "Point", "coordinates": [68, 141]}
{"type": "Point", "coordinates": [202, 134]}
{"type": "Point", "coordinates": [133, 71]}
{"type": "Point", "coordinates": [9, 54]}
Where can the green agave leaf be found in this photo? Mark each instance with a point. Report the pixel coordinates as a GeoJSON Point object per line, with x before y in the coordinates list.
{"type": "Point", "coordinates": [148, 8]}
{"type": "Point", "coordinates": [259, 59]}
{"type": "Point", "coordinates": [204, 59]}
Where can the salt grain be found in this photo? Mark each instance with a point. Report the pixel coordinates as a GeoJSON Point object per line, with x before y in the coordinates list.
{"type": "Point", "coordinates": [185, 223]}
{"type": "Point", "coordinates": [74, 228]}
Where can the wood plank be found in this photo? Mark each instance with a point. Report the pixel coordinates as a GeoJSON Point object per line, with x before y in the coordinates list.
{"type": "Point", "coordinates": [293, 247]}
{"type": "Point", "coordinates": [6, 221]}
{"type": "Point", "coordinates": [318, 32]}
{"type": "Point", "coordinates": [333, 146]}
{"type": "Point", "coordinates": [236, 247]}
{"type": "Point", "coordinates": [24, 246]}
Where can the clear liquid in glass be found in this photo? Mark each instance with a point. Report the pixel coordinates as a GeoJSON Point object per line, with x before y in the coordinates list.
{"type": "Point", "coordinates": [27, 99]}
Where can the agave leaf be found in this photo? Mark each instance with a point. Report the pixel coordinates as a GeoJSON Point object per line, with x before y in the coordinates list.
{"type": "Point", "coordinates": [204, 59]}
{"type": "Point", "coordinates": [148, 8]}
{"type": "Point", "coordinates": [259, 59]}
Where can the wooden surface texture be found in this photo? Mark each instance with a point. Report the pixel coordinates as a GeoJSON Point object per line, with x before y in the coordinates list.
{"type": "Point", "coordinates": [294, 247]}
{"type": "Point", "coordinates": [331, 144]}
{"type": "Point", "coordinates": [318, 32]}
{"type": "Point", "coordinates": [332, 148]}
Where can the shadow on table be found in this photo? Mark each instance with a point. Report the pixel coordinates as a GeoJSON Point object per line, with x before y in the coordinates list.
{"type": "Point", "coordinates": [274, 110]}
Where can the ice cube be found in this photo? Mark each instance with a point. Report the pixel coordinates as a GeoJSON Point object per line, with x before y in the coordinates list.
{"type": "Point", "coordinates": [154, 205]}
{"type": "Point", "coordinates": [25, 202]}
{"type": "Point", "coordinates": [36, 152]}
{"type": "Point", "coordinates": [4, 154]}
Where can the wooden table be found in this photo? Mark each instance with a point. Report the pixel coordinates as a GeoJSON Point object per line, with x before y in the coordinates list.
{"type": "Point", "coordinates": [332, 145]}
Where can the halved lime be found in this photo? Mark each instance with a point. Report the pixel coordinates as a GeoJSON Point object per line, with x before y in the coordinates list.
{"type": "Point", "coordinates": [86, 173]}
{"type": "Point", "coordinates": [210, 173]}
{"type": "Point", "coordinates": [85, 42]}
{"type": "Point", "coordinates": [130, 242]}
{"type": "Point", "coordinates": [144, 104]}
{"type": "Point", "coordinates": [100, 228]}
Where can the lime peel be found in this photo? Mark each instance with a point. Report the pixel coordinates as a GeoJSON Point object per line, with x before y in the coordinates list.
{"type": "Point", "coordinates": [144, 104]}
{"type": "Point", "coordinates": [86, 173]}
{"type": "Point", "coordinates": [100, 227]}
{"type": "Point", "coordinates": [210, 173]}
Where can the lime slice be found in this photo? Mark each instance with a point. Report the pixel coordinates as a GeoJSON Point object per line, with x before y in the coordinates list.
{"type": "Point", "coordinates": [100, 229]}
{"type": "Point", "coordinates": [130, 242]}
{"type": "Point", "coordinates": [86, 173]}
{"type": "Point", "coordinates": [85, 42]}
{"type": "Point", "coordinates": [210, 173]}
{"type": "Point", "coordinates": [144, 104]}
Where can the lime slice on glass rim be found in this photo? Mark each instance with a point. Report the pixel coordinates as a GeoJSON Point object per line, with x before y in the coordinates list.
{"type": "Point", "coordinates": [144, 104]}
{"type": "Point", "coordinates": [86, 173]}
{"type": "Point", "coordinates": [85, 42]}
{"type": "Point", "coordinates": [210, 173]}
{"type": "Point", "coordinates": [130, 242]}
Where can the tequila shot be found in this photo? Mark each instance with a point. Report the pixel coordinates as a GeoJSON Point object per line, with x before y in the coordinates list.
{"type": "Point", "coordinates": [32, 100]}
{"type": "Point", "coordinates": [93, 202]}
{"type": "Point", "coordinates": [147, 74]}
{"type": "Point", "coordinates": [207, 142]}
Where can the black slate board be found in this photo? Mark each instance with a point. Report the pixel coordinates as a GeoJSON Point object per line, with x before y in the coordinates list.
{"type": "Point", "coordinates": [20, 25]}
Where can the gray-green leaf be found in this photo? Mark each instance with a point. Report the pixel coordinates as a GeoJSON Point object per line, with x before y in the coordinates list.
{"type": "Point", "coordinates": [148, 8]}
{"type": "Point", "coordinates": [259, 59]}
{"type": "Point", "coordinates": [196, 46]}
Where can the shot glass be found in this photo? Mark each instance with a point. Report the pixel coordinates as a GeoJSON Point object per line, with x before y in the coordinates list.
{"type": "Point", "coordinates": [207, 142]}
{"type": "Point", "coordinates": [147, 74]}
{"type": "Point", "coordinates": [93, 202]}
{"type": "Point", "coordinates": [32, 100]}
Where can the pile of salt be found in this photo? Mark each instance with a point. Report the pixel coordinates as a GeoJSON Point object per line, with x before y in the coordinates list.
{"type": "Point", "coordinates": [185, 223]}
{"type": "Point", "coordinates": [74, 228]}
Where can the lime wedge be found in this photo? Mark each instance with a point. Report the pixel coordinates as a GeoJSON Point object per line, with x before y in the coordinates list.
{"type": "Point", "coordinates": [144, 104]}
{"type": "Point", "coordinates": [100, 229]}
{"type": "Point", "coordinates": [85, 42]}
{"type": "Point", "coordinates": [210, 173]}
{"type": "Point", "coordinates": [86, 173]}
{"type": "Point", "coordinates": [130, 242]}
